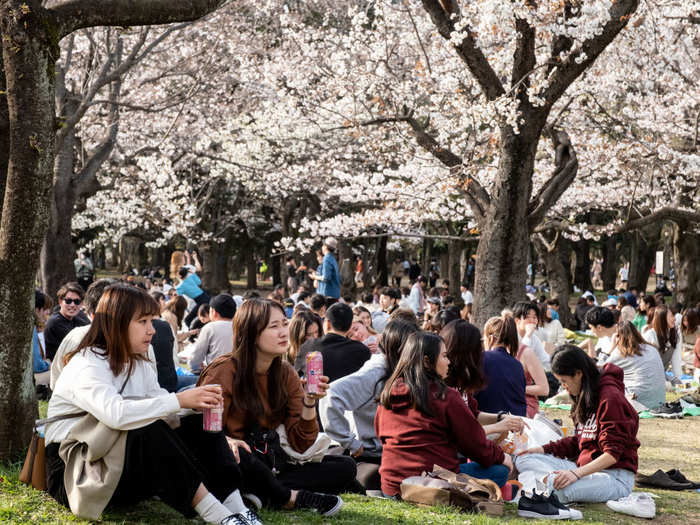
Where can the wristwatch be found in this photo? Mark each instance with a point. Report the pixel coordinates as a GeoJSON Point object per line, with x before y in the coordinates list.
{"type": "Point", "coordinates": [500, 415]}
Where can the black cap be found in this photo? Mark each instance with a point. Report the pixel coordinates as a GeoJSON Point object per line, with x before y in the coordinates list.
{"type": "Point", "coordinates": [224, 305]}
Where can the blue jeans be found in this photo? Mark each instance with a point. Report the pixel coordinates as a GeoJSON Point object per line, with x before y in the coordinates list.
{"type": "Point", "coordinates": [594, 488]}
{"type": "Point", "coordinates": [186, 381]}
{"type": "Point", "coordinates": [496, 473]}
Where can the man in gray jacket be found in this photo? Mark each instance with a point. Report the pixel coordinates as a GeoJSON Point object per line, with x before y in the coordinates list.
{"type": "Point", "coordinates": [216, 337]}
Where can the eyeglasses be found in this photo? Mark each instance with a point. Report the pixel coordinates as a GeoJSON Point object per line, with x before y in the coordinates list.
{"type": "Point", "coordinates": [73, 301]}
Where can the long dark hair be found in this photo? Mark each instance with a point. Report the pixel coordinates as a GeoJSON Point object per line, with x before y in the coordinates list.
{"type": "Point", "coordinates": [664, 333]}
{"type": "Point", "coordinates": [465, 351]}
{"type": "Point", "coordinates": [692, 319]}
{"type": "Point", "coordinates": [416, 369]}
{"type": "Point", "coordinates": [177, 305]}
{"type": "Point", "coordinates": [108, 335]}
{"type": "Point", "coordinates": [248, 323]}
{"type": "Point", "coordinates": [391, 342]}
{"type": "Point", "coordinates": [566, 361]}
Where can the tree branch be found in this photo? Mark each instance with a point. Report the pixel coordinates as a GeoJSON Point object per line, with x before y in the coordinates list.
{"type": "Point", "coordinates": [583, 57]}
{"type": "Point", "coordinates": [71, 15]}
{"type": "Point", "coordinates": [666, 213]}
{"type": "Point", "coordinates": [566, 167]}
{"type": "Point", "coordinates": [86, 180]}
{"type": "Point", "coordinates": [467, 49]}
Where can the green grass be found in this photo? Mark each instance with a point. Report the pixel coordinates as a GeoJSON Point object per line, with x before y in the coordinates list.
{"type": "Point", "coordinates": [666, 444]}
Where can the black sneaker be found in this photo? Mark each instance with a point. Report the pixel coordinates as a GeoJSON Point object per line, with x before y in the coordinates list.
{"type": "Point", "coordinates": [325, 504]}
{"type": "Point", "coordinates": [235, 519]}
{"type": "Point", "coordinates": [537, 506]}
{"type": "Point", "coordinates": [668, 411]}
{"type": "Point", "coordinates": [573, 513]}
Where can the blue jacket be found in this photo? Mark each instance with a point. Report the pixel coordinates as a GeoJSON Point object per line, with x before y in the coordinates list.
{"type": "Point", "coordinates": [40, 365]}
{"type": "Point", "coordinates": [330, 285]}
{"type": "Point", "coordinates": [190, 286]}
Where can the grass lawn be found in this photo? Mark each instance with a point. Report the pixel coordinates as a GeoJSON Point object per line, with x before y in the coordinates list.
{"type": "Point", "coordinates": [666, 444]}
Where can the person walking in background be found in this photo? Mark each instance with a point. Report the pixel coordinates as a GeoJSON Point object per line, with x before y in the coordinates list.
{"type": "Point", "coordinates": [84, 269]}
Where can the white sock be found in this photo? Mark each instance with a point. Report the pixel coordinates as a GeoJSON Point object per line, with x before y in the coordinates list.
{"type": "Point", "coordinates": [211, 510]}
{"type": "Point", "coordinates": [234, 503]}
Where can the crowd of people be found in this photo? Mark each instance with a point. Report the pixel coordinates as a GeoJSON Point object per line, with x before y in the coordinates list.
{"type": "Point", "coordinates": [408, 383]}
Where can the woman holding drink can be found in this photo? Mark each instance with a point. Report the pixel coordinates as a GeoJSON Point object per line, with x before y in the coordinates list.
{"type": "Point", "coordinates": [262, 391]}
{"type": "Point", "coordinates": [108, 381]}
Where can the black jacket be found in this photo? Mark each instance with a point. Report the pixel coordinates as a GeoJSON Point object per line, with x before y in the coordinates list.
{"type": "Point", "coordinates": [341, 356]}
{"type": "Point", "coordinates": [162, 342]}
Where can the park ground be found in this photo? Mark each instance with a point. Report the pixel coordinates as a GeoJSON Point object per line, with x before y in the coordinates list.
{"type": "Point", "coordinates": [666, 444]}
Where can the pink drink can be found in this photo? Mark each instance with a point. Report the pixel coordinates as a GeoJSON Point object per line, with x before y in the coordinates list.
{"type": "Point", "coordinates": [213, 417]}
{"type": "Point", "coordinates": [314, 371]}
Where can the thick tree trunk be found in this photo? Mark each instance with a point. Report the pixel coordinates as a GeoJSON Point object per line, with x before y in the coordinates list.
{"type": "Point", "coordinates": [214, 267]}
{"type": "Point", "coordinates": [382, 268]}
{"type": "Point", "coordinates": [686, 248]}
{"type": "Point", "coordinates": [642, 256]}
{"type": "Point", "coordinates": [454, 271]}
{"type": "Point", "coordinates": [501, 258]}
{"type": "Point", "coordinates": [426, 256]}
{"type": "Point", "coordinates": [582, 275]}
{"type": "Point", "coordinates": [609, 263]}
{"type": "Point", "coordinates": [29, 56]}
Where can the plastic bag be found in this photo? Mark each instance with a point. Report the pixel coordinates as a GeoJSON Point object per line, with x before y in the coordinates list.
{"type": "Point", "coordinates": [538, 432]}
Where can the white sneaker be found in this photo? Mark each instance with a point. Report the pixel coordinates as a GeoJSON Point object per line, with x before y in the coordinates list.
{"type": "Point", "coordinates": [639, 504]}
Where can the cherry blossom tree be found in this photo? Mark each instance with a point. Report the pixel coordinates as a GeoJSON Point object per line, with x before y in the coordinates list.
{"type": "Point", "coordinates": [31, 33]}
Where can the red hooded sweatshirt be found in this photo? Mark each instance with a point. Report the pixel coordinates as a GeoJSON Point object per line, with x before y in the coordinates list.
{"type": "Point", "coordinates": [412, 443]}
{"type": "Point", "coordinates": [612, 429]}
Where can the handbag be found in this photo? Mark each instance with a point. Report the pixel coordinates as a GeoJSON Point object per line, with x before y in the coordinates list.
{"type": "Point", "coordinates": [444, 487]}
{"type": "Point", "coordinates": [265, 445]}
{"type": "Point", "coordinates": [34, 469]}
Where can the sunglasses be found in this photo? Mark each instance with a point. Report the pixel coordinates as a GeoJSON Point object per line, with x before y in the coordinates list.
{"type": "Point", "coordinates": [72, 301]}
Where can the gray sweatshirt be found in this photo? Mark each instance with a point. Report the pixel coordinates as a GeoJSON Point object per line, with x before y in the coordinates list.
{"type": "Point", "coordinates": [347, 412]}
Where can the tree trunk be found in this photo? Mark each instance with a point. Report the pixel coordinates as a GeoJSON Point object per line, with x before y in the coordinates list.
{"type": "Point", "coordinates": [251, 269]}
{"type": "Point", "coordinates": [501, 258]}
{"type": "Point", "coordinates": [609, 263]}
{"type": "Point", "coordinates": [382, 268]}
{"type": "Point", "coordinates": [642, 256]}
{"type": "Point", "coordinates": [276, 265]}
{"type": "Point", "coordinates": [4, 134]}
{"type": "Point", "coordinates": [426, 256]}
{"type": "Point", "coordinates": [555, 257]}
{"type": "Point", "coordinates": [454, 271]}
{"type": "Point", "coordinates": [686, 248]}
{"type": "Point", "coordinates": [29, 56]}
{"type": "Point", "coordinates": [582, 275]}
{"type": "Point", "coordinates": [130, 253]}
{"type": "Point", "coordinates": [214, 267]}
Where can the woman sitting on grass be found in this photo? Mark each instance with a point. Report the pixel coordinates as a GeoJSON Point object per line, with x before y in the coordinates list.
{"type": "Point", "coordinates": [663, 334]}
{"type": "Point", "coordinates": [465, 374]}
{"type": "Point", "coordinates": [641, 364]}
{"type": "Point", "coordinates": [262, 391]}
{"type": "Point", "coordinates": [605, 445]}
{"type": "Point", "coordinates": [358, 394]}
{"type": "Point", "coordinates": [421, 422]}
{"type": "Point", "coordinates": [109, 381]}
{"type": "Point", "coordinates": [304, 326]}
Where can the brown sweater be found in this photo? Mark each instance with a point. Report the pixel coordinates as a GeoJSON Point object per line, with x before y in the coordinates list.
{"type": "Point", "coordinates": [300, 432]}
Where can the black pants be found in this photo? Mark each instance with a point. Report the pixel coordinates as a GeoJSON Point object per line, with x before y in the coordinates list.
{"type": "Point", "coordinates": [170, 464]}
{"type": "Point", "coordinates": [333, 475]}
{"type": "Point", "coordinates": [201, 299]}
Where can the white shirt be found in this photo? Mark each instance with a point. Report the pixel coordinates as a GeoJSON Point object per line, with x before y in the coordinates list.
{"type": "Point", "coordinates": [88, 384]}
{"type": "Point", "coordinates": [71, 341]}
{"type": "Point", "coordinates": [534, 342]}
{"type": "Point", "coordinates": [467, 297]}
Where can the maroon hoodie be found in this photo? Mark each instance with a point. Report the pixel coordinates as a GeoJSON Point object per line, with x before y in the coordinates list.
{"type": "Point", "coordinates": [412, 443]}
{"type": "Point", "coordinates": [612, 429]}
